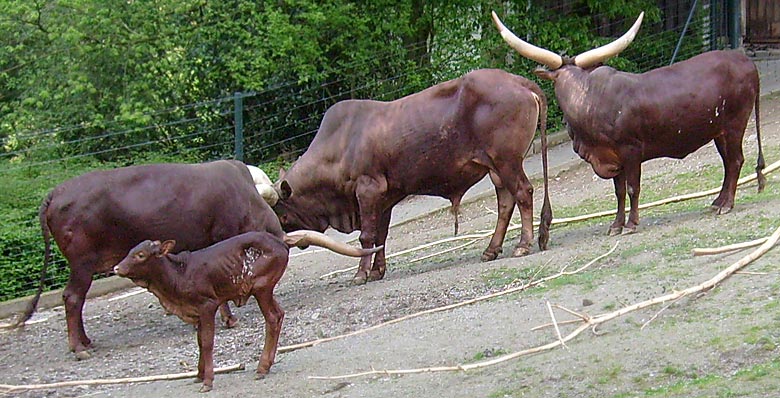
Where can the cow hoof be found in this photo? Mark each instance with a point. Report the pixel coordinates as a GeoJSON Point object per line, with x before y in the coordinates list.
{"type": "Point", "coordinates": [615, 231]}
{"type": "Point", "coordinates": [724, 210]}
{"type": "Point", "coordinates": [260, 376]}
{"type": "Point", "coordinates": [375, 276]}
{"type": "Point", "coordinates": [205, 388]}
{"type": "Point", "coordinates": [628, 230]}
{"type": "Point", "coordinates": [83, 355]}
{"type": "Point", "coordinates": [490, 255]}
{"type": "Point", "coordinates": [359, 280]}
{"type": "Point", "coordinates": [231, 322]}
{"type": "Point", "coordinates": [521, 251]}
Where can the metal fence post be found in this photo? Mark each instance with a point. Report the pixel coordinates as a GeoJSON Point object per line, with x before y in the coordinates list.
{"type": "Point", "coordinates": [735, 22]}
{"type": "Point", "coordinates": [238, 119]}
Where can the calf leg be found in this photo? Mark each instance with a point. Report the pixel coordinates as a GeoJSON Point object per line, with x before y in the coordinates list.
{"type": "Point", "coordinates": [73, 296]}
{"type": "Point", "coordinates": [506, 205]}
{"type": "Point", "coordinates": [620, 194]}
{"type": "Point", "coordinates": [273, 315]}
{"type": "Point", "coordinates": [206, 348]}
{"type": "Point", "coordinates": [380, 264]}
{"type": "Point", "coordinates": [730, 149]}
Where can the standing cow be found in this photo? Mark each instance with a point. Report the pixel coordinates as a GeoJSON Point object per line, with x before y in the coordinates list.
{"type": "Point", "coordinates": [618, 120]}
{"type": "Point", "coordinates": [97, 217]}
{"type": "Point", "coordinates": [369, 155]}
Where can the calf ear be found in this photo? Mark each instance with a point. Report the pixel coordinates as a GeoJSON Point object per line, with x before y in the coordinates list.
{"type": "Point", "coordinates": [285, 189]}
{"type": "Point", "coordinates": [167, 246]}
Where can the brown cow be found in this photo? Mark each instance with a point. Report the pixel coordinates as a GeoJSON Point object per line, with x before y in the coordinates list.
{"type": "Point", "coordinates": [97, 217]}
{"type": "Point", "coordinates": [193, 285]}
{"type": "Point", "coordinates": [369, 155]}
{"type": "Point", "coordinates": [618, 120]}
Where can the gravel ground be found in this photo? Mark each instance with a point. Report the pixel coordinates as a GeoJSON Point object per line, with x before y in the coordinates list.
{"type": "Point", "coordinates": [720, 343]}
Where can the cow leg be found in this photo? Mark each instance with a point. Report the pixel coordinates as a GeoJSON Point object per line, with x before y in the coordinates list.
{"type": "Point", "coordinates": [730, 151]}
{"type": "Point", "coordinates": [380, 264]}
{"type": "Point", "coordinates": [206, 347]}
{"type": "Point", "coordinates": [633, 175]}
{"type": "Point", "coordinates": [369, 192]}
{"type": "Point", "coordinates": [516, 182]}
{"type": "Point", "coordinates": [506, 205]}
{"type": "Point", "coordinates": [273, 315]}
{"type": "Point", "coordinates": [620, 216]}
{"type": "Point", "coordinates": [227, 316]}
{"type": "Point", "coordinates": [524, 195]}
{"type": "Point", "coordinates": [74, 296]}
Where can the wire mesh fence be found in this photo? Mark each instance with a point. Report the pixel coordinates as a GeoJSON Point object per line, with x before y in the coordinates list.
{"type": "Point", "coordinates": [280, 121]}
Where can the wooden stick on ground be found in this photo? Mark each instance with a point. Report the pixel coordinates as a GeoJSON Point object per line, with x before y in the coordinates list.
{"type": "Point", "coordinates": [9, 388]}
{"type": "Point", "coordinates": [525, 286]}
{"type": "Point", "coordinates": [591, 323]}
{"type": "Point", "coordinates": [728, 248]}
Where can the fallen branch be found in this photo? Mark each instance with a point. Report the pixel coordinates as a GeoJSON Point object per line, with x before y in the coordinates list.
{"type": "Point", "coordinates": [567, 220]}
{"type": "Point", "coordinates": [452, 249]}
{"type": "Point", "coordinates": [592, 322]}
{"type": "Point", "coordinates": [516, 289]}
{"type": "Point", "coordinates": [728, 248]}
{"type": "Point", "coordinates": [9, 388]}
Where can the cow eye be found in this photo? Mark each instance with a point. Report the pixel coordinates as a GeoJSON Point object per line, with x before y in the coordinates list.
{"type": "Point", "coordinates": [140, 256]}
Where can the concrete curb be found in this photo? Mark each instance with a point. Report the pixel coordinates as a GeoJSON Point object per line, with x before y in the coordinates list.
{"type": "Point", "coordinates": [53, 298]}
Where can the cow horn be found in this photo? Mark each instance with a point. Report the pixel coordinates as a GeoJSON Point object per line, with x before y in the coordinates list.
{"type": "Point", "coordinates": [268, 193]}
{"type": "Point", "coordinates": [305, 238]}
{"type": "Point", "coordinates": [600, 54]}
{"type": "Point", "coordinates": [530, 51]}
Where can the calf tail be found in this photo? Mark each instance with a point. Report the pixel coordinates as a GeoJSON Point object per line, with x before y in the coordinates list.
{"type": "Point", "coordinates": [33, 304]}
{"type": "Point", "coordinates": [760, 164]}
{"type": "Point", "coordinates": [546, 213]}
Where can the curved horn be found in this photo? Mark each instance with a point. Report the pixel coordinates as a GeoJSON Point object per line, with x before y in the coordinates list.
{"type": "Point", "coordinates": [530, 51]}
{"type": "Point", "coordinates": [305, 238]}
{"type": "Point", "coordinates": [268, 193]}
{"type": "Point", "coordinates": [596, 55]}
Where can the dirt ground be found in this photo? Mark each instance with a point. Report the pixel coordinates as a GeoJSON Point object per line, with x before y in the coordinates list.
{"type": "Point", "coordinates": [723, 343]}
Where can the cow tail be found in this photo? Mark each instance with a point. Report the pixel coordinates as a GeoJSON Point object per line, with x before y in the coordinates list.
{"type": "Point", "coordinates": [546, 213]}
{"type": "Point", "coordinates": [760, 164]}
{"type": "Point", "coordinates": [33, 304]}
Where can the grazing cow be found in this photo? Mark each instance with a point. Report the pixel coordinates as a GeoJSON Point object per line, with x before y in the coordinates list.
{"type": "Point", "coordinates": [618, 120]}
{"type": "Point", "coordinates": [193, 285]}
{"type": "Point", "coordinates": [369, 155]}
{"type": "Point", "coordinates": [97, 217]}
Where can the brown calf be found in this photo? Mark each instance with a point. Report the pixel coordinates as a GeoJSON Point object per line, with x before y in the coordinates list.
{"type": "Point", "coordinates": [193, 285]}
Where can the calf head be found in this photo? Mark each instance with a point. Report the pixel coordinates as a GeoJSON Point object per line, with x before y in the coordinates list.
{"type": "Point", "coordinates": [142, 260]}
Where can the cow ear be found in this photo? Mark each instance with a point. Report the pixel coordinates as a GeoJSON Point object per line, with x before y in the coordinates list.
{"type": "Point", "coordinates": [546, 74]}
{"type": "Point", "coordinates": [285, 190]}
{"type": "Point", "coordinates": [167, 246]}
{"type": "Point", "coordinates": [282, 173]}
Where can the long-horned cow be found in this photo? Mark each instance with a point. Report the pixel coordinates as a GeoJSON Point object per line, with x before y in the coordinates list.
{"type": "Point", "coordinates": [96, 218]}
{"type": "Point", "coordinates": [618, 120]}
{"type": "Point", "coordinates": [369, 155]}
